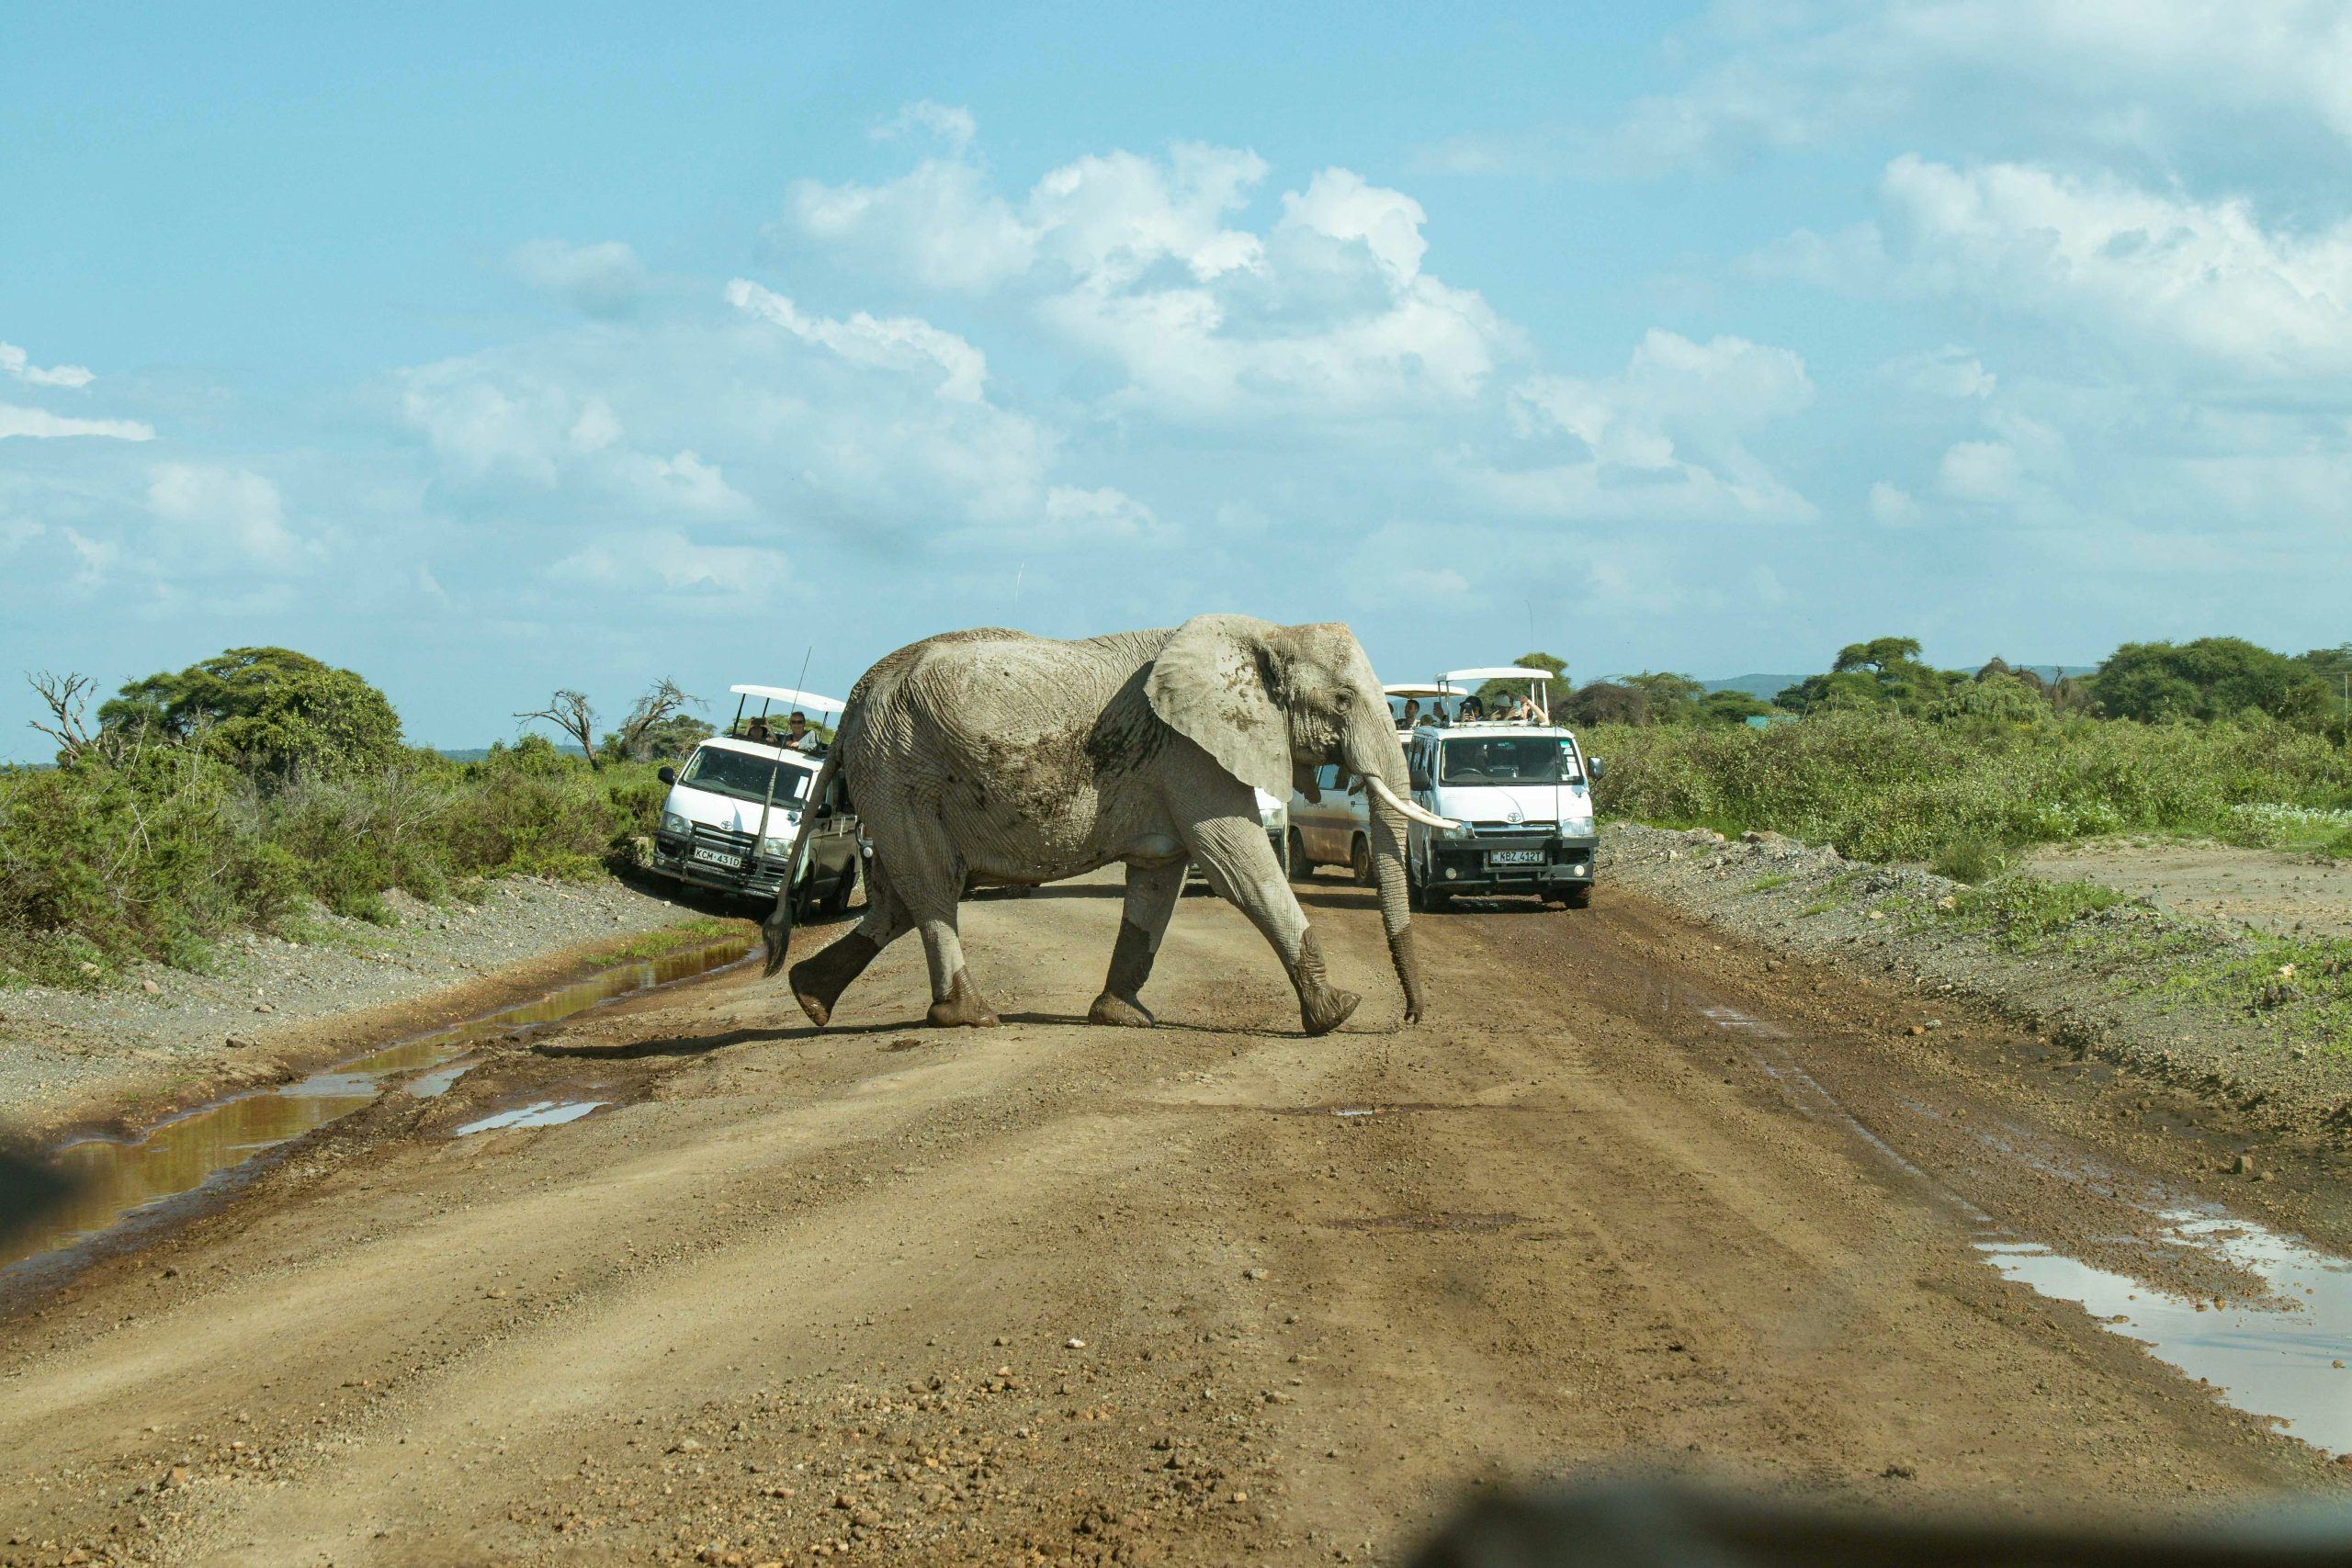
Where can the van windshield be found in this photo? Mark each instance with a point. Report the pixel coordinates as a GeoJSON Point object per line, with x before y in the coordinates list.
{"type": "Point", "coordinates": [745, 777]}
{"type": "Point", "coordinates": [1509, 758]}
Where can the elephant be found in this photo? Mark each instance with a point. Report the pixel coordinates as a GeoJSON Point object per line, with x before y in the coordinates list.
{"type": "Point", "coordinates": [996, 757]}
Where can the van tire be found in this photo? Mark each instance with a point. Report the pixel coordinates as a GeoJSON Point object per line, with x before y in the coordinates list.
{"type": "Point", "coordinates": [837, 901]}
{"type": "Point", "coordinates": [1576, 898]}
{"type": "Point", "coordinates": [1300, 867]}
{"type": "Point", "coordinates": [1359, 861]}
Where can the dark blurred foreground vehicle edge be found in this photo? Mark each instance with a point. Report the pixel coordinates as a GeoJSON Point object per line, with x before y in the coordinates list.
{"type": "Point", "coordinates": [1656, 1524]}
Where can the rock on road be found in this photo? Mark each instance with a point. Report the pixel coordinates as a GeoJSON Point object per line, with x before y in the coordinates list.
{"type": "Point", "coordinates": [1209, 1293]}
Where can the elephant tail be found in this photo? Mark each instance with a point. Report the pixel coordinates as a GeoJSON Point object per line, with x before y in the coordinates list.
{"type": "Point", "coordinates": [776, 930]}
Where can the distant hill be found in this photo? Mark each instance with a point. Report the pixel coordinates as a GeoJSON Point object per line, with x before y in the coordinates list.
{"type": "Point", "coordinates": [1771, 686]}
{"type": "Point", "coordinates": [471, 754]}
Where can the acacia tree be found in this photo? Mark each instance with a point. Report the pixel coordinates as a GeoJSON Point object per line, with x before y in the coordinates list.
{"type": "Point", "coordinates": [270, 712]}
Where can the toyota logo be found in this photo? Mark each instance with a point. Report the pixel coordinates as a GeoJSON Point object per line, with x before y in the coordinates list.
{"type": "Point", "coordinates": [1514, 816]}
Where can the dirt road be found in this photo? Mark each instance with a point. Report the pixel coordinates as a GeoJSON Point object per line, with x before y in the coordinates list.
{"type": "Point", "coordinates": [1207, 1294]}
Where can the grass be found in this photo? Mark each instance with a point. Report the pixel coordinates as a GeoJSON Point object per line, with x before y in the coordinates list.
{"type": "Point", "coordinates": [1811, 910]}
{"type": "Point", "coordinates": [667, 940]}
{"type": "Point", "coordinates": [2301, 985]}
{"type": "Point", "coordinates": [1766, 883]}
{"type": "Point", "coordinates": [2023, 914]}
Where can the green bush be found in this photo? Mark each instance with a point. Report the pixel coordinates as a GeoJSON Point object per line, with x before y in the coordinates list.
{"type": "Point", "coordinates": [159, 856]}
{"type": "Point", "coordinates": [1883, 786]}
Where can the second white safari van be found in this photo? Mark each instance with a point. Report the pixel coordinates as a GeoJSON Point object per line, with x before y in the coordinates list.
{"type": "Point", "coordinates": [735, 804]}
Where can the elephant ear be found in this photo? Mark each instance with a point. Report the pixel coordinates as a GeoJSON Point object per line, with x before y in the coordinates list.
{"type": "Point", "coordinates": [1214, 685]}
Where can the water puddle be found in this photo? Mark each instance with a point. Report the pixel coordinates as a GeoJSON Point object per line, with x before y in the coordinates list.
{"type": "Point", "coordinates": [2280, 1355]}
{"type": "Point", "coordinates": [214, 1146]}
{"type": "Point", "coordinates": [539, 1113]}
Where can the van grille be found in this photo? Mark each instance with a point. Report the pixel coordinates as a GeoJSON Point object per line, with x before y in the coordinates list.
{"type": "Point", "coordinates": [727, 839]}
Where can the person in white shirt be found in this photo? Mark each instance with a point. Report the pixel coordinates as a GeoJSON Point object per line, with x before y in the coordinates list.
{"type": "Point", "coordinates": [798, 736]}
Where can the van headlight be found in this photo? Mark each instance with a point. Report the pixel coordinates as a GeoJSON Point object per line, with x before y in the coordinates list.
{"type": "Point", "coordinates": [1459, 830]}
{"type": "Point", "coordinates": [673, 823]}
{"type": "Point", "coordinates": [775, 848]}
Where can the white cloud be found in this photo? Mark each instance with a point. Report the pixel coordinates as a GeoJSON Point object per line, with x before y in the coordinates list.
{"type": "Point", "coordinates": [1947, 372]}
{"type": "Point", "coordinates": [1102, 516]}
{"type": "Point", "coordinates": [939, 224]}
{"type": "Point", "coordinates": [601, 279]}
{"type": "Point", "coordinates": [40, 425]}
{"type": "Point", "coordinates": [14, 362]}
{"type": "Point", "coordinates": [895, 342]}
{"type": "Point", "coordinates": [234, 507]}
{"type": "Point", "coordinates": [1891, 506]}
{"type": "Point", "coordinates": [2141, 78]}
{"type": "Point", "coordinates": [2140, 267]}
{"type": "Point", "coordinates": [1663, 441]}
{"type": "Point", "coordinates": [669, 562]}
{"type": "Point", "coordinates": [1983, 472]}
{"type": "Point", "coordinates": [951, 123]}
{"type": "Point", "coordinates": [1326, 316]}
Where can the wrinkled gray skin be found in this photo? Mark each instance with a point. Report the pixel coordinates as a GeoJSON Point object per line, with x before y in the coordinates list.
{"type": "Point", "coordinates": [995, 756]}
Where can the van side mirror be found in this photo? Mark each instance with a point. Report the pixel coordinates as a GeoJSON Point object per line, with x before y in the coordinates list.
{"type": "Point", "coordinates": [668, 775]}
{"type": "Point", "coordinates": [1592, 767]}
{"type": "Point", "coordinates": [1417, 777]}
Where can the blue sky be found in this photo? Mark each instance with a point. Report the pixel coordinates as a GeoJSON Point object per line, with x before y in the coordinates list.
{"type": "Point", "coordinates": [491, 349]}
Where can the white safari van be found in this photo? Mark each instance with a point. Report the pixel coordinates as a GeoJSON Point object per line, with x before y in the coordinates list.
{"type": "Point", "coordinates": [734, 808]}
{"type": "Point", "coordinates": [1519, 791]}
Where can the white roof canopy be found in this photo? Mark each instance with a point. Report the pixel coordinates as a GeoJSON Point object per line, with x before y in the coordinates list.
{"type": "Point", "coordinates": [808, 702]}
{"type": "Point", "coordinates": [1499, 672]}
{"type": "Point", "coordinates": [1423, 689]}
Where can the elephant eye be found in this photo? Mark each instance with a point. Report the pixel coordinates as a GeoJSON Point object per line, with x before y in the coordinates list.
{"type": "Point", "coordinates": [1345, 698]}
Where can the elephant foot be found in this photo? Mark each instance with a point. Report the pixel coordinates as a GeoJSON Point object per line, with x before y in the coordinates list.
{"type": "Point", "coordinates": [1130, 967]}
{"type": "Point", "coordinates": [1322, 1008]}
{"type": "Point", "coordinates": [962, 1008]}
{"type": "Point", "coordinates": [1120, 1012]}
{"type": "Point", "coordinates": [1325, 1010]}
{"type": "Point", "coordinates": [818, 981]}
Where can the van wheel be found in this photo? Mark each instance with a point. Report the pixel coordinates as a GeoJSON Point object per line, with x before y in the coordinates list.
{"type": "Point", "coordinates": [1576, 898]}
{"type": "Point", "coordinates": [837, 901]}
{"type": "Point", "coordinates": [1300, 867]}
{"type": "Point", "coordinates": [1359, 861]}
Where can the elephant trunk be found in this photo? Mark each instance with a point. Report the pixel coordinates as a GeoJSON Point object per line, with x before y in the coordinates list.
{"type": "Point", "coordinates": [1386, 764]}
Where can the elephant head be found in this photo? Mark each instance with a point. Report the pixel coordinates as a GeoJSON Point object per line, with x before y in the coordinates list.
{"type": "Point", "coordinates": [1271, 704]}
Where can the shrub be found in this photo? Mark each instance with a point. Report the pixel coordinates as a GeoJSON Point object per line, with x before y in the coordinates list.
{"type": "Point", "coordinates": [1883, 786]}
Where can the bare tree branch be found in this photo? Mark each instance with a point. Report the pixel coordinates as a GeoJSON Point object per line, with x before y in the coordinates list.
{"type": "Point", "coordinates": [662, 701]}
{"type": "Point", "coordinates": [570, 711]}
{"type": "Point", "coordinates": [67, 697]}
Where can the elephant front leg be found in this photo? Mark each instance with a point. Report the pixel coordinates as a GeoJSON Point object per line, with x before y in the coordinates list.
{"type": "Point", "coordinates": [1241, 866]}
{"type": "Point", "coordinates": [1152, 893]}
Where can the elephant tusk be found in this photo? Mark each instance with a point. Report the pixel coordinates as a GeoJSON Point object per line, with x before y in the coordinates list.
{"type": "Point", "coordinates": [1388, 798]}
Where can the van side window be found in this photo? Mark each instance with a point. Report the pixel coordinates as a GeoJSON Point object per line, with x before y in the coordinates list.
{"type": "Point", "coordinates": [1327, 776]}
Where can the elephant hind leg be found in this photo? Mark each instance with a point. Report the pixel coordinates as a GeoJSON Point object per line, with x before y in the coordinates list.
{"type": "Point", "coordinates": [818, 980]}
{"type": "Point", "coordinates": [1152, 893]}
{"type": "Point", "coordinates": [931, 896]}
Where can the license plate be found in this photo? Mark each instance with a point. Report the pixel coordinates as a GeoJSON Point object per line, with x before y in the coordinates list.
{"type": "Point", "coordinates": [719, 857]}
{"type": "Point", "coordinates": [1519, 857]}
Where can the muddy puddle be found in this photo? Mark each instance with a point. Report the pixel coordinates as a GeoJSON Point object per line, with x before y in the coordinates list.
{"type": "Point", "coordinates": [2284, 1354]}
{"type": "Point", "coordinates": [120, 1184]}
{"type": "Point", "coordinates": [2280, 1354]}
{"type": "Point", "coordinates": [539, 1113]}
